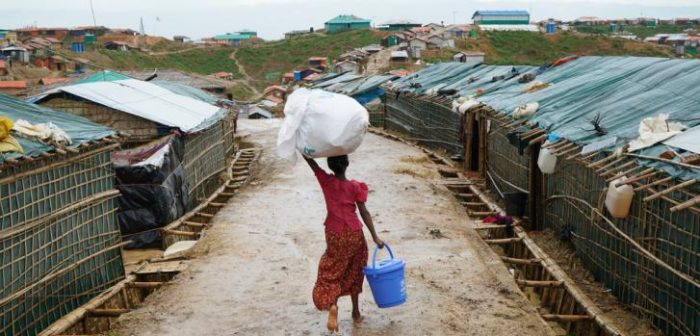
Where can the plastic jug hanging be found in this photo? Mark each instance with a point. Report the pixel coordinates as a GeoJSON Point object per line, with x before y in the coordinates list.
{"type": "Point", "coordinates": [619, 198]}
{"type": "Point", "coordinates": [547, 161]}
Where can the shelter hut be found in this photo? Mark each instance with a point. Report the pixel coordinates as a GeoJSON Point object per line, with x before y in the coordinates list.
{"type": "Point", "coordinates": [347, 66]}
{"type": "Point", "coordinates": [59, 237]}
{"type": "Point", "coordinates": [585, 109]}
{"type": "Point", "coordinates": [149, 111]}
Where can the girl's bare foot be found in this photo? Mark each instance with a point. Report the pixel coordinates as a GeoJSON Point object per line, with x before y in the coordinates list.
{"type": "Point", "coordinates": [333, 319]}
{"type": "Point", "coordinates": [357, 318]}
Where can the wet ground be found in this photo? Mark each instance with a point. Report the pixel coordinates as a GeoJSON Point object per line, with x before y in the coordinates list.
{"type": "Point", "coordinates": [254, 271]}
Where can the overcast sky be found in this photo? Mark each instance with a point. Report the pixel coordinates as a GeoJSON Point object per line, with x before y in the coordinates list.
{"type": "Point", "coordinates": [271, 18]}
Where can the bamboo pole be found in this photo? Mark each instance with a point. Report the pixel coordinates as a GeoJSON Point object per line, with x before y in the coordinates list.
{"type": "Point", "coordinates": [572, 149]}
{"type": "Point", "coordinates": [181, 233]}
{"type": "Point", "coordinates": [616, 170]}
{"type": "Point", "coordinates": [653, 158]}
{"type": "Point", "coordinates": [148, 285]}
{"type": "Point", "coordinates": [645, 174]}
{"type": "Point", "coordinates": [601, 161]}
{"type": "Point", "coordinates": [558, 142]}
{"type": "Point", "coordinates": [531, 134]}
{"type": "Point", "coordinates": [623, 173]}
{"type": "Point", "coordinates": [686, 204]}
{"type": "Point", "coordinates": [107, 312]}
{"type": "Point", "coordinates": [519, 261]}
{"type": "Point", "coordinates": [540, 283]}
{"type": "Point", "coordinates": [609, 165]}
{"type": "Point", "coordinates": [503, 241]}
{"type": "Point", "coordinates": [565, 318]}
{"type": "Point", "coordinates": [664, 192]}
{"type": "Point", "coordinates": [657, 182]}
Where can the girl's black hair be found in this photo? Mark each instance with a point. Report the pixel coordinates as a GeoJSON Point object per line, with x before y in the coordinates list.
{"type": "Point", "coordinates": [338, 164]}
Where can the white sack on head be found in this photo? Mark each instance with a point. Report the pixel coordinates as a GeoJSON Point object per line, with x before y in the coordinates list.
{"type": "Point", "coordinates": [321, 124]}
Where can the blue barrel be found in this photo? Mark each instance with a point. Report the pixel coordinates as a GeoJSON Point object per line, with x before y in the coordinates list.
{"type": "Point", "coordinates": [551, 27]}
{"type": "Point", "coordinates": [297, 75]}
{"type": "Point", "coordinates": [386, 280]}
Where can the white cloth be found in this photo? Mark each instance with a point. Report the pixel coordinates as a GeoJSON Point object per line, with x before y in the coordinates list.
{"type": "Point", "coordinates": [653, 130]}
{"type": "Point", "coordinates": [46, 132]}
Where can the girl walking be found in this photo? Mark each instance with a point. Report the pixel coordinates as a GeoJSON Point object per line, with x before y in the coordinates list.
{"type": "Point", "coordinates": [340, 268]}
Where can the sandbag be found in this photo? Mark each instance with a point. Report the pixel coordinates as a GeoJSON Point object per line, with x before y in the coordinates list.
{"type": "Point", "coordinates": [321, 124]}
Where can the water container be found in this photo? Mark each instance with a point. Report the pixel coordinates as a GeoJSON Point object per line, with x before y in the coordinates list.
{"type": "Point", "coordinates": [619, 199]}
{"type": "Point", "coordinates": [297, 75]}
{"type": "Point", "coordinates": [386, 280]}
{"type": "Point", "coordinates": [546, 161]}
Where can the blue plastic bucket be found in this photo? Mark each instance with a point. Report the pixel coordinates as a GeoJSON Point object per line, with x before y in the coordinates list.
{"type": "Point", "coordinates": [386, 279]}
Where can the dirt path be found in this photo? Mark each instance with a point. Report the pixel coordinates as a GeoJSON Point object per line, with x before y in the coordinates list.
{"type": "Point", "coordinates": [172, 52]}
{"type": "Point", "coordinates": [256, 267]}
{"type": "Point", "coordinates": [379, 61]}
{"type": "Point", "coordinates": [247, 80]}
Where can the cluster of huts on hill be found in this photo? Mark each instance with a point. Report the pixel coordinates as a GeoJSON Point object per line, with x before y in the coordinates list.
{"type": "Point", "coordinates": [603, 150]}
{"type": "Point", "coordinates": [88, 168]}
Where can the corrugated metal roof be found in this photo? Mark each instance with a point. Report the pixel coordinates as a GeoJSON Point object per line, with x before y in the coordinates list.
{"type": "Point", "coordinates": [148, 101]}
{"type": "Point", "coordinates": [501, 13]}
{"type": "Point", "coordinates": [341, 19]}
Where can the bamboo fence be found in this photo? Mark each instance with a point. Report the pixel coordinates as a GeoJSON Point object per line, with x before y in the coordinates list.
{"type": "Point", "coordinates": [204, 159]}
{"type": "Point", "coordinates": [59, 238]}
{"type": "Point", "coordinates": [429, 121]}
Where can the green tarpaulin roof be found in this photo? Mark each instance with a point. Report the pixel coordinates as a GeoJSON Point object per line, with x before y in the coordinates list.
{"type": "Point", "coordinates": [78, 128]}
{"type": "Point", "coordinates": [102, 76]}
{"type": "Point", "coordinates": [343, 19]}
{"type": "Point", "coordinates": [624, 90]}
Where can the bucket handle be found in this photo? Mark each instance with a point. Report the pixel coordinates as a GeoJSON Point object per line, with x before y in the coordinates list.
{"type": "Point", "coordinates": [374, 255]}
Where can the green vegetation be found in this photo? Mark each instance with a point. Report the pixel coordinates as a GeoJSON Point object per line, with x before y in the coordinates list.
{"type": "Point", "coordinates": [536, 48]}
{"type": "Point", "coordinates": [168, 45]}
{"type": "Point", "coordinates": [240, 91]}
{"type": "Point", "coordinates": [651, 31]}
{"type": "Point", "coordinates": [639, 31]}
{"type": "Point", "coordinates": [267, 62]}
{"type": "Point", "coordinates": [202, 61]}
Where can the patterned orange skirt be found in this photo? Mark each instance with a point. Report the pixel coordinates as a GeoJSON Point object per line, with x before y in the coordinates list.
{"type": "Point", "coordinates": [340, 268]}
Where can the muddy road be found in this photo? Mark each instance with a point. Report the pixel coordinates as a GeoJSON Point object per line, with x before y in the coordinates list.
{"type": "Point", "coordinates": [254, 271]}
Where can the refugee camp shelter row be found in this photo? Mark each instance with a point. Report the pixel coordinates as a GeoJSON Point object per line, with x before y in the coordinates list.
{"type": "Point", "coordinates": [59, 237]}
{"type": "Point", "coordinates": [365, 89]}
{"type": "Point", "coordinates": [147, 111]}
{"type": "Point", "coordinates": [487, 114]}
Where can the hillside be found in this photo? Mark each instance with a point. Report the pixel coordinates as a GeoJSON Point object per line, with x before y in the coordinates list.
{"type": "Point", "coordinates": [266, 63]}
{"type": "Point", "coordinates": [536, 49]}
{"type": "Point", "coordinates": [639, 31]}
{"type": "Point", "coordinates": [198, 60]}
